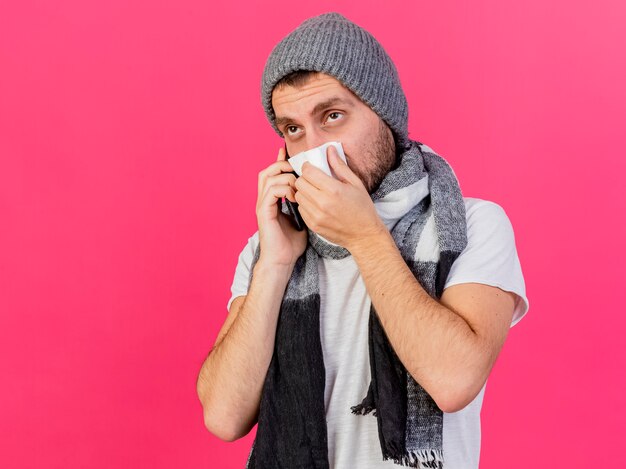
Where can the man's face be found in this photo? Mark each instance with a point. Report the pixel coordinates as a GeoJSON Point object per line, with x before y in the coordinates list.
{"type": "Point", "coordinates": [324, 110]}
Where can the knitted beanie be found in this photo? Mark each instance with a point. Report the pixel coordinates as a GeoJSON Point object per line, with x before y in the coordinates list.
{"type": "Point", "coordinates": [332, 44]}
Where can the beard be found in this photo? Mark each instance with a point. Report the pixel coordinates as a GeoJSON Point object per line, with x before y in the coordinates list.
{"type": "Point", "coordinates": [382, 158]}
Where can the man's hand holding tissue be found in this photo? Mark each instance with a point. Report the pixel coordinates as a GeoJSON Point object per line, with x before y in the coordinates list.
{"type": "Point", "coordinates": [341, 210]}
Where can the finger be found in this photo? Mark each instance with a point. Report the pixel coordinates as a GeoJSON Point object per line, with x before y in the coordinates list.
{"type": "Point", "coordinates": [339, 167]}
{"type": "Point", "coordinates": [275, 168]}
{"type": "Point", "coordinates": [302, 199]}
{"type": "Point", "coordinates": [276, 193]}
{"type": "Point", "coordinates": [269, 209]}
{"type": "Point", "coordinates": [303, 208]}
{"type": "Point", "coordinates": [304, 185]}
{"type": "Point", "coordinates": [282, 154]}
{"type": "Point", "coordinates": [281, 179]}
{"type": "Point", "coordinates": [318, 178]}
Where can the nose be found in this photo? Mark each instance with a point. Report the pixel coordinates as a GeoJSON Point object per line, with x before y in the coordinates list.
{"type": "Point", "coordinates": [314, 138]}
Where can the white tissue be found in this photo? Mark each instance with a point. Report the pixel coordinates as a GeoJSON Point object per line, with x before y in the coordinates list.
{"type": "Point", "coordinates": [317, 157]}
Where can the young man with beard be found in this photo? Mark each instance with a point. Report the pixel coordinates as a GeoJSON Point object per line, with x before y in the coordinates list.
{"type": "Point", "coordinates": [395, 300]}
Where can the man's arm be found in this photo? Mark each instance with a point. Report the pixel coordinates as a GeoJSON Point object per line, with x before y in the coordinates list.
{"type": "Point", "coordinates": [449, 347]}
{"type": "Point", "coordinates": [231, 378]}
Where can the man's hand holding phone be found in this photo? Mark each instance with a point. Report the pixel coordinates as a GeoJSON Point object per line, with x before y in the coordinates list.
{"type": "Point", "coordinates": [281, 243]}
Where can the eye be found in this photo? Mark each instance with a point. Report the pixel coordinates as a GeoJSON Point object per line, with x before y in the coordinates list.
{"type": "Point", "coordinates": [335, 113]}
{"type": "Point", "coordinates": [290, 127]}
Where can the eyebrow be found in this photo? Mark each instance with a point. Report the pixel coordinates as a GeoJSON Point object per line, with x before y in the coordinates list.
{"type": "Point", "coordinates": [318, 107]}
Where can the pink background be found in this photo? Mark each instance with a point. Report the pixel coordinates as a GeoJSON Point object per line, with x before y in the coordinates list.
{"type": "Point", "coordinates": [131, 135]}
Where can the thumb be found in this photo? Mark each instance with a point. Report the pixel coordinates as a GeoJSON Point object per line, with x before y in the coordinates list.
{"type": "Point", "coordinates": [340, 168]}
{"type": "Point", "coordinates": [282, 153]}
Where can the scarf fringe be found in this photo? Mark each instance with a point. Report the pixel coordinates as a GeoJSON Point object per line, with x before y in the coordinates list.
{"type": "Point", "coordinates": [422, 459]}
{"type": "Point", "coordinates": [364, 409]}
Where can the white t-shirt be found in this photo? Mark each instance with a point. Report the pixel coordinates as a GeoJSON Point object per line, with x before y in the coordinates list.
{"type": "Point", "coordinates": [490, 257]}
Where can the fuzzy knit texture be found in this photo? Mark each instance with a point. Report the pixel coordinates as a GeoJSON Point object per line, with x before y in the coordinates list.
{"type": "Point", "coordinates": [332, 44]}
{"type": "Point", "coordinates": [430, 234]}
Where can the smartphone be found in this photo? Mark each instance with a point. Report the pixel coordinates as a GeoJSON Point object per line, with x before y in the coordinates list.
{"type": "Point", "coordinates": [295, 217]}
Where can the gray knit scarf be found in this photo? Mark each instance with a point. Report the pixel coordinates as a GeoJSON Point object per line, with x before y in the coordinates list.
{"type": "Point", "coordinates": [430, 233]}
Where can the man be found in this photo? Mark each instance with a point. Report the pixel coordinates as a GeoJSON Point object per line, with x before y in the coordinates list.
{"type": "Point", "coordinates": [396, 299]}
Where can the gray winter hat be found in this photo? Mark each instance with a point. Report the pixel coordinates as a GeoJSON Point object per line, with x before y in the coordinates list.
{"type": "Point", "coordinates": [332, 44]}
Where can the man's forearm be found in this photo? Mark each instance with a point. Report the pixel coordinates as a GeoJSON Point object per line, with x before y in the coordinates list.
{"type": "Point", "coordinates": [231, 379]}
{"type": "Point", "coordinates": [436, 345]}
